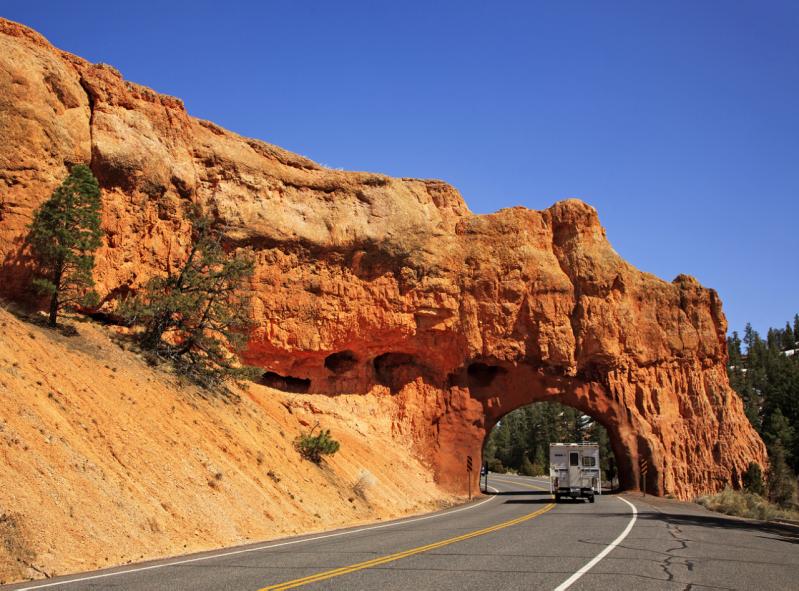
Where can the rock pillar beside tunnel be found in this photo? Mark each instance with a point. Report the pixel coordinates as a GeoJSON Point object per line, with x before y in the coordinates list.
{"type": "Point", "coordinates": [445, 426]}
{"type": "Point", "coordinates": [514, 386]}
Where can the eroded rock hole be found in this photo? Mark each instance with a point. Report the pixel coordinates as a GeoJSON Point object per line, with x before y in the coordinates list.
{"type": "Point", "coordinates": [482, 374]}
{"type": "Point", "coordinates": [341, 362]}
{"type": "Point", "coordinates": [394, 370]}
{"type": "Point", "coordinates": [286, 383]}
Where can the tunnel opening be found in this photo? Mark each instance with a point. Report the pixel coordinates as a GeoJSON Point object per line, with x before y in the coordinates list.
{"type": "Point", "coordinates": [519, 442]}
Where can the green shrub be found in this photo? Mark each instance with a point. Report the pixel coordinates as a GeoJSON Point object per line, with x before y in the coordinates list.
{"type": "Point", "coordinates": [753, 479]}
{"type": "Point", "coordinates": [495, 465]}
{"type": "Point", "coordinates": [313, 447]}
{"type": "Point", "coordinates": [781, 480]}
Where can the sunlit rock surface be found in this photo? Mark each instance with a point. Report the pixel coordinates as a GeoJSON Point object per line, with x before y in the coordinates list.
{"type": "Point", "coordinates": [381, 286]}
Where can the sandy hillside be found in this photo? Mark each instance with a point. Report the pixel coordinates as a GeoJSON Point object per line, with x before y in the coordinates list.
{"type": "Point", "coordinates": [104, 460]}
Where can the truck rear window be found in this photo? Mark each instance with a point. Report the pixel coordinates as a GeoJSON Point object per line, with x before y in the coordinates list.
{"type": "Point", "coordinates": [574, 459]}
{"type": "Point", "coordinates": [589, 461]}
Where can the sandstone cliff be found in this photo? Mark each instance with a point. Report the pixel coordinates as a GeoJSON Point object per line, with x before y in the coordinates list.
{"type": "Point", "coordinates": [367, 284]}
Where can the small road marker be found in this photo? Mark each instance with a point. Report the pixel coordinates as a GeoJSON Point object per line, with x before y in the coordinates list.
{"type": "Point", "coordinates": [469, 475]}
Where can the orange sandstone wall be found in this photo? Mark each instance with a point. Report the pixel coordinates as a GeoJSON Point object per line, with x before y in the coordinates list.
{"type": "Point", "coordinates": [369, 284]}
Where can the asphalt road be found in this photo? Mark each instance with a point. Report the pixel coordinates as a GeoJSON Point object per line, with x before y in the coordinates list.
{"type": "Point", "coordinates": [515, 539]}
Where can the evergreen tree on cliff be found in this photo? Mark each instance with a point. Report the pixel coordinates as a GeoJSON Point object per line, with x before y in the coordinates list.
{"type": "Point", "coordinates": [63, 236]}
{"type": "Point", "coordinates": [198, 314]}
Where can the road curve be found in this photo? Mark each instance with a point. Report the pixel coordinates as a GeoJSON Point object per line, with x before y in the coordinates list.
{"type": "Point", "coordinates": [515, 539]}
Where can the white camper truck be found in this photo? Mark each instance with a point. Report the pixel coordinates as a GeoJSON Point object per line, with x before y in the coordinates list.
{"type": "Point", "coordinates": [574, 470]}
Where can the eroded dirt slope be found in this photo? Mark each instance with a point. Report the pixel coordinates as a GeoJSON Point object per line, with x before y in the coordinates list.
{"type": "Point", "coordinates": [105, 460]}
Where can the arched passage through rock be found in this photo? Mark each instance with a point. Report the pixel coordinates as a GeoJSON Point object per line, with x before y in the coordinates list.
{"type": "Point", "coordinates": [501, 389]}
{"type": "Point", "coordinates": [521, 440]}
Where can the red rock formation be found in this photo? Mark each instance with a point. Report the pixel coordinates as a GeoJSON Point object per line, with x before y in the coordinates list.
{"type": "Point", "coordinates": [372, 284]}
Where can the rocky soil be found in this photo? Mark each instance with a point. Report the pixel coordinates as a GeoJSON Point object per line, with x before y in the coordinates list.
{"type": "Point", "coordinates": [105, 460]}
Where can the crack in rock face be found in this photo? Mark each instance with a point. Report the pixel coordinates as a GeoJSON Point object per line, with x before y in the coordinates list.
{"type": "Point", "coordinates": [369, 284]}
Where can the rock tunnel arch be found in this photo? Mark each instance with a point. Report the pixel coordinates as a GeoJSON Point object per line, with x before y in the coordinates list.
{"type": "Point", "coordinates": [512, 388]}
{"type": "Point", "coordinates": [537, 425]}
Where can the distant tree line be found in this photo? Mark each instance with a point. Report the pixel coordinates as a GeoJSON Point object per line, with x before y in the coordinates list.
{"type": "Point", "coordinates": [765, 373]}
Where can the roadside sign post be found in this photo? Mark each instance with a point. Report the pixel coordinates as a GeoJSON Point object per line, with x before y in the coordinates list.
{"type": "Point", "coordinates": [644, 469]}
{"type": "Point", "coordinates": [469, 475]}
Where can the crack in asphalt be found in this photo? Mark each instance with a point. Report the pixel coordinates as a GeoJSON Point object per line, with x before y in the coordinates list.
{"type": "Point", "coordinates": [668, 562]}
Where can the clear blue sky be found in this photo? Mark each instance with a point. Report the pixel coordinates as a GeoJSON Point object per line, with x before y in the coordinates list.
{"type": "Point", "coordinates": [678, 121]}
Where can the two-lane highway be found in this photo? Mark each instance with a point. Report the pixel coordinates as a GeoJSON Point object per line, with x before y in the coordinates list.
{"type": "Point", "coordinates": [514, 539]}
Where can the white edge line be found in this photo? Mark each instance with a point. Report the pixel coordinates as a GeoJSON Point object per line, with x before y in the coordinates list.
{"type": "Point", "coordinates": [571, 580]}
{"type": "Point", "coordinates": [259, 548]}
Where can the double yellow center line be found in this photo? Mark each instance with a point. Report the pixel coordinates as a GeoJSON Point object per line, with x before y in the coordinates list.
{"type": "Point", "coordinates": [345, 570]}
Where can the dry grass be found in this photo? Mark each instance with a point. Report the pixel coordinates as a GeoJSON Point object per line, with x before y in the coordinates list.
{"type": "Point", "coordinates": [745, 504]}
{"type": "Point", "coordinates": [366, 480]}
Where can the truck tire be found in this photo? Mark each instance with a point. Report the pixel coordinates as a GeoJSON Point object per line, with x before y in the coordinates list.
{"type": "Point", "coordinates": [591, 499]}
{"type": "Point", "coordinates": [557, 498]}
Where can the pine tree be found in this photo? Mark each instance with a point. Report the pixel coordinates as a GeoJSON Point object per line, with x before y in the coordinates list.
{"type": "Point", "coordinates": [197, 314]}
{"type": "Point", "coordinates": [607, 460]}
{"type": "Point", "coordinates": [734, 349]}
{"type": "Point", "coordinates": [788, 338]}
{"type": "Point", "coordinates": [779, 432]}
{"type": "Point", "coordinates": [753, 479]}
{"type": "Point", "coordinates": [774, 339]}
{"type": "Point", "coordinates": [63, 236]}
{"type": "Point", "coordinates": [781, 481]}
{"type": "Point", "coordinates": [541, 460]}
{"type": "Point", "coordinates": [750, 337]}
{"type": "Point", "coordinates": [527, 468]}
